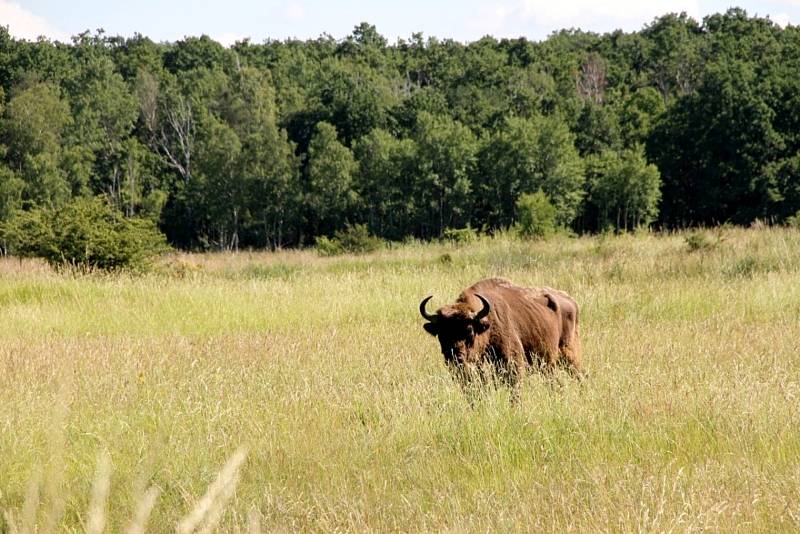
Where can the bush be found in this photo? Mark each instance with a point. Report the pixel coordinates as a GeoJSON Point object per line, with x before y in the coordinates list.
{"type": "Point", "coordinates": [26, 234]}
{"type": "Point", "coordinates": [536, 215]}
{"type": "Point", "coordinates": [460, 236]}
{"type": "Point", "coordinates": [354, 239]}
{"type": "Point", "coordinates": [699, 241]}
{"type": "Point", "coordinates": [329, 247]}
{"type": "Point", "coordinates": [743, 268]}
{"type": "Point", "coordinates": [88, 234]}
{"type": "Point", "coordinates": [793, 221]}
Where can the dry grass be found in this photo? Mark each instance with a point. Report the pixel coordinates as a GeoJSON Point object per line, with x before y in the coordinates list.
{"type": "Point", "coordinates": [690, 419]}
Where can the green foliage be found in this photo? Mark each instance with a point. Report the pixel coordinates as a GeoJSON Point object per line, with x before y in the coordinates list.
{"type": "Point", "coordinates": [623, 189]}
{"type": "Point", "coordinates": [527, 155]}
{"type": "Point", "coordinates": [87, 233]}
{"type": "Point", "coordinates": [598, 128]}
{"type": "Point", "coordinates": [331, 167]}
{"type": "Point", "coordinates": [327, 246]}
{"type": "Point", "coordinates": [447, 157]}
{"type": "Point", "coordinates": [269, 145]}
{"type": "Point", "coordinates": [715, 146]}
{"type": "Point", "coordinates": [639, 114]}
{"type": "Point", "coordinates": [353, 239]}
{"type": "Point", "coordinates": [461, 236]}
{"type": "Point", "coordinates": [27, 234]}
{"type": "Point", "coordinates": [536, 215]}
{"type": "Point", "coordinates": [699, 241]}
{"type": "Point", "coordinates": [794, 221]}
{"type": "Point", "coordinates": [33, 128]}
{"type": "Point", "coordinates": [35, 121]}
{"type": "Point", "coordinates": [11, 189]}
{"type": "Point", "coordinates": [386, 194]}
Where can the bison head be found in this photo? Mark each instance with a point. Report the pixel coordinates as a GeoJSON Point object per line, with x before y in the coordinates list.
{"type": "Point", "coordinates": [459, 329]}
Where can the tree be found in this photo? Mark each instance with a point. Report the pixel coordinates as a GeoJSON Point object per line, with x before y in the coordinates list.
{"type": "Point", "coordinates": [639, 114]}
{"type": "Point", "coordinates": [597, 128]}
{"type": "Point", "coordinates": [387, 195]}
{"type": "Point", "coordinates": [104, 112]}
{"type": "Point", "coordinates": [267, 160]}
{"type": "Point", "coordinates": [193, 53]}
{"type": "Point", "coordinates": [168, 118]}
{"type": "Point", "coordinates": [11, 190]}
{"type": "Point", "coordinates": [215, 144]}
{"type": "Point", "coordinates": [524, 156]}
{"type": "Point", "coordinates": [712, 148]}
{"type": "Point", "coordinates": [674, 57]}
{"type": "Point", "coordinates": [34, 122]}
{"type": "Point", "coordinates": [624, 190]}
{"type": "Point", "coordinates": [355, 99]}
{"type": "Point", "coordinates": [590, 80]}
{"type": "Point", "coordinates": [536, 215]}
{"type": "Point", "coordinates": [87, 233]}
{"type": "Point", "coordinates": [330, 195]}
{"type": "Point", "coordinates": [220, 188]}
{"type": "Point", "coordinates": [447, 159]}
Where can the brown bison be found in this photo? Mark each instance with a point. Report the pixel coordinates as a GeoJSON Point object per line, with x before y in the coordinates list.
{"type": "Point", "coordinates": [497, 325]}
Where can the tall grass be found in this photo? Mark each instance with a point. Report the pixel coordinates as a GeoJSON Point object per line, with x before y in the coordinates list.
{"type": "Point", "coordinates": [320, 368]}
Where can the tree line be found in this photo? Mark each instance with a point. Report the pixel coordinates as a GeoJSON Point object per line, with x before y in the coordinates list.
{"type": "Point", "coordinates": [276, 144]}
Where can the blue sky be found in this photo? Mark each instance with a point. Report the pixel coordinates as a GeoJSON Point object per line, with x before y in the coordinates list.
{"type": "Point", "coordinates": [466, 20]}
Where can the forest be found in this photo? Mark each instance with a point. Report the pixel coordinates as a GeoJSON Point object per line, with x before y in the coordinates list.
{"type": "Point", "coordinates": [683, 123]}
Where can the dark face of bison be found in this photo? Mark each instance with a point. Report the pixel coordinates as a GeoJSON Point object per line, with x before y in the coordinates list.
{"type": "Point", "coordinates": [458, 328]}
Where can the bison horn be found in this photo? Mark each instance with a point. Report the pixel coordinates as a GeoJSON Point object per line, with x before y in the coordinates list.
{"type": "Point", "coordinates": [425, 314]}
{"type": "Point", "coordinates": [485, 311]}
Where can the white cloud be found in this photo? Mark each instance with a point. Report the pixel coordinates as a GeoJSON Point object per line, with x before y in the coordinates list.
{"type": "Point", "coordinates": [491, 19]}
{"type": "Point", "coordinates": [781, 19]}
{"type": "Point", "coordinates": [228, 39]}
{"type": "Point", "coordinates": [294, 12]}
{"type": "Point", "coordinates": [603, 16]}
{"type": "Point", "coordinates": [537, 18]}
{"type": "Point", "coordinates": [23, 24]}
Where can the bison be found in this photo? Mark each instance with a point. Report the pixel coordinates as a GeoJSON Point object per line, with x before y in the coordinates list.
{"type": "Point", "coordinates": [499, 326]}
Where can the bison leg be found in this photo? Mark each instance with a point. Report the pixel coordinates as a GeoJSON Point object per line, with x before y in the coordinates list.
{"type": "Point", "coordinates": [549, 360]}
{"type": "Point", "coordinates": [514, 371]}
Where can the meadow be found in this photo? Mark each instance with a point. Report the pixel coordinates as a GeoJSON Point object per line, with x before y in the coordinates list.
{"type": "Point", "coordinates": [286, 391]}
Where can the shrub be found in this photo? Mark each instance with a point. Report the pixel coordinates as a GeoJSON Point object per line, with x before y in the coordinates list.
{"type": "Point", "coordinates": [88, 234]}
{"type": "Point", "coordinates": [698, 241]}
{"type": "Point", "coordinates": [354, 239]}
{"type": "Point", "coordinates": [26, 234]}
{"type": "Point", "coordinates": [460, 236]}
{"type": "Point", "coordinates": [329, 247]}
{"type": "Point", "coordinates": [793, 221]}
{"type": "Point", "coordinates": [536, 215]}
{"type": "Point", "coordinates": [743, 268]}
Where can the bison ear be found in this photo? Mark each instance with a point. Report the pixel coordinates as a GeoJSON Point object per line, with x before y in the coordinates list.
{"type": "Point", "coordinates": [551, 302]}
{"type": "Point", "coordinates": [546, 299]}
{"type": "Point", "coordinates": [431, 328]}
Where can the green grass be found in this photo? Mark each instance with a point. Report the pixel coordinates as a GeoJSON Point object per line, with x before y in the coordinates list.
{"type": "Point", "coordinates": [319, 367]}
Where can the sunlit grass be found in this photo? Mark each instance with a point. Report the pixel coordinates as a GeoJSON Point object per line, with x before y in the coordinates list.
{"type": "Point", "coordinates": [319, 367]}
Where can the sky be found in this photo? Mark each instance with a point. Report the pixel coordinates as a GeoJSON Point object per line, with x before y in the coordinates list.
{"type": "Point", "coordinates": [463, 20]}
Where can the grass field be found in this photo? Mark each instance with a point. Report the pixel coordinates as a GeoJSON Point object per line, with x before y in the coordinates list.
{"type": "Point", "coordinates": [125, 397]}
